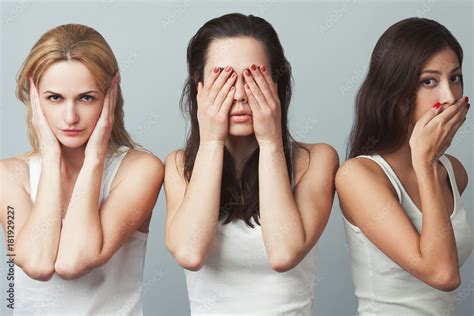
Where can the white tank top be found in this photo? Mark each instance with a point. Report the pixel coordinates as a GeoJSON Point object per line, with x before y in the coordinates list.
{"type": "Point", "coordinates": [384, 288]}
{"type": "Point", "coordinates": [237, 277]}
{"type": "Point", "coordinates": [115, 288]}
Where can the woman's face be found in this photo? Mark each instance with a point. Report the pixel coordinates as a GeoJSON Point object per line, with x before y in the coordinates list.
{"type": "Point", "coordinates": [71, 100]}
{"type": "Point", "coordinates": [239, 53]}
{"type": "Point", "coordinates": [440, 81]}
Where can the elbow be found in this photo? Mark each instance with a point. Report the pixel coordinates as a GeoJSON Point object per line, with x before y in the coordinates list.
{"type": "Point", "coordinates": [446, 282]}
{"type": "Point", "coordinates": [189, 261]}
{"type": "Point", "coordinates": [71, 269]}
{"type": "Point", "coordinates": [41, 272]}
{"type": "Point", "coordinates": [284, 262]}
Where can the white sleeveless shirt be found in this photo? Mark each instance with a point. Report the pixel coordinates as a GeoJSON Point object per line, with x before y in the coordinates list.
{"type": "Point", "coordinates": [237, 278]}
{"type": "Point", "coordinates": [383, 287]}
{"type": "Point", "coordinates": [114, 288]}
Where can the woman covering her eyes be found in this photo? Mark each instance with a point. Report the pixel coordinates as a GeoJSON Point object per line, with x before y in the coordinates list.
{"type": "Point", "coordinates": [400, 193]}
{"type": "Point", "coordinates": [245, 202]}
{"type": "Point", "coordinates": [82, 198]}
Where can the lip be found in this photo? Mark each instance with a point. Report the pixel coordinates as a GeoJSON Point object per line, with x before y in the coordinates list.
{"type": "Point", "coordinates": [72, 132]}
{"type": "Point", "coordinates": [240, 117]}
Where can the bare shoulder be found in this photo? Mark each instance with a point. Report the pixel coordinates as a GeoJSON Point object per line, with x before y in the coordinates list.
{"type": "Point", "coordinates": [357, 171]}
{"type": "Point", "coordinates": [315, 159]}
{"type": "Point", "coordinates": [460, 173]}
{"type": "Point", "coordinates": [142, 165]}
{"type": "Point", "coordinates": [15, 170]}
{"type": "Point", "coordinates": [174, 166]}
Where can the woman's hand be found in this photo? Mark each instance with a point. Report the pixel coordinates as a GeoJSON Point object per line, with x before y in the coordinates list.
{"type": "Point", "coordinates": [264, 102]}
{"type": "Point", "coordinates": [215, 98]}
{"type": "Point", "coordinates": [98, 143]}
{"type": "Point", "coordinates": [47, 141]}
{"type": "Point", "coordinates": [434, 132]}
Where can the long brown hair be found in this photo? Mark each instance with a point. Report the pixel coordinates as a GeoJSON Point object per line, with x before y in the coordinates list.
{"type": "Point", "coordinates": [239, 196]}
{"type": "Point", "coordinates": [386, 99]}
{"type": "Point", "coordinates": [73, 42]}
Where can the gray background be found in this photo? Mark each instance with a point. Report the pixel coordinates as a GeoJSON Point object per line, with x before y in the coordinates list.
{"type": "Point", "coordinates": [328, 45]}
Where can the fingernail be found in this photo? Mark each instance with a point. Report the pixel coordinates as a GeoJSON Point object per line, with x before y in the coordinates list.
{"type": "Point", "coordinates": [227, 68]}
{"type": "Point", "coordinates": [437, 105]}
{"type": "Point", "coordinates": [263, 68]}
{"type": "Point", "coordinates": [247, 72]}
{"type": "Point", "coordinates": [216, 69]}
{"type": "Point", "coordinates": [253, 67]}
{"type": "Point", "coordinates": [466, 99]}
{"type": "Point", "coordinates": [233, 75]}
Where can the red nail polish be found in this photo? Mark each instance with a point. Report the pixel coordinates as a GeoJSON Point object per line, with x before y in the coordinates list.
{"type": "Point", "coordinates": [216, 69]}
{"type": "Point", "coordinates": [247, 72]}
{"type": "Point", "coordinates": [253, 67]}
{"type": "Point", "coordinates": [437, 105]}
{"type": "Point", "coordinates": [227, 68]}
{"type": "Point", "coordinates": [466, 99]}
{"type": "Point", "coordinates": [233, 75]}
{"type": "Point", "coordinates": [263, 68]}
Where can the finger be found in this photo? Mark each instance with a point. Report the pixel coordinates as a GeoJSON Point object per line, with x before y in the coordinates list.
{"type": "Point", "coordinates": [219, 83]}
{"type": "Point", "coordinates": [227, 104]}
{"type": "Point", "coordinates": [262, 85]}
{"type": "Point", "coordinates": [212, 76]}
{"type": "Point", "coordinates": [222, 95]}
{"type": "Point", "coordinates": [254, 106]}
{"type": "Point", "coordinates": [269, 79]}
{"type": "Point", "coordinates": [429, 115]}
{"type": "Point", "coordinates": [453, 109]}
{"type": "Point", "coordinates": [256, 92]}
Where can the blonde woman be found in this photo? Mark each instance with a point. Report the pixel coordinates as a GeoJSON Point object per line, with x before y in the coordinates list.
{"type": "Point", "coordinates": [76, 209]}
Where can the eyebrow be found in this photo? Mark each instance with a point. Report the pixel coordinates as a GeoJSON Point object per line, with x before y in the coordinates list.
{"type": "Point", "coordinates": [82, 93]}
{"type": "Point", "coordinates": [439, 72]}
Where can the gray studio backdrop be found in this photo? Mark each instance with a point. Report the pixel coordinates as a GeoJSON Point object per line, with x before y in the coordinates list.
{"type": "Point", "coordinates": [328, 45]}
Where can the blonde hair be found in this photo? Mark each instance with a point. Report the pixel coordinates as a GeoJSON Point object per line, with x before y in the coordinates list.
{"type": "Point", "coordinates": [80, 43]}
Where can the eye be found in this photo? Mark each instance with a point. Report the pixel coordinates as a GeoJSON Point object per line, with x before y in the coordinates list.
{"type": "Point", "coordinates": [87, 98]}
{"type": "Point", "coordinates": [456, 78]}
{"type": "Point", "coordinates": [54, 98]}
{"type": "Point", "coordinates": [428, 82]}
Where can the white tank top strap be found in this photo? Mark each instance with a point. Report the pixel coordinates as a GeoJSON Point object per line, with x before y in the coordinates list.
{"type": "Point", "coordinates": [34, 166]}
{"type": "Point", "coordinates": [112, 164]}
{"type": "Point", "coordinates": [452, 178]}
{"type": "Point", "coordinates": [391, 175]}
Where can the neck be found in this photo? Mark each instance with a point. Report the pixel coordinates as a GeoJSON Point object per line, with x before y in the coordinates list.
{"type": "Point", "coordinates": [240, 148]}
{"type": "Point", "coordinates": [72, 160]}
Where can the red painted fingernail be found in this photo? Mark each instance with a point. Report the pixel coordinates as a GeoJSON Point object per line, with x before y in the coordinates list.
{"type": "Point", "coordinates": [253, 67]}
{"type": "Point", "coordinates": [437, 105]}
{"type": "Point", "coordinates": [216, 69]}
{"type": "Point", "coordinates": [227, 68]}
{"type": "Point", "coordinates": [247, 72]}
{"type": "Point", "coordinates": [263, 68]}
{"type": "Point", "coordinates": [466, 99]}
{"type": "Point", "coordinates": [233, 75]}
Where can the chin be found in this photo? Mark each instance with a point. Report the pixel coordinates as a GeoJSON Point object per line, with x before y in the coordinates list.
{"type": "Point", "coordinates": [72, 142]}
{"type": "Point", "coordinates": [241, 129]}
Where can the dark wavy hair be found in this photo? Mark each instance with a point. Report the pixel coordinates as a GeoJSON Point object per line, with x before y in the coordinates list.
{"type": "Point", "coordinates": [386, 99]}
{"type": "Point", "coordinates": [239, 196]}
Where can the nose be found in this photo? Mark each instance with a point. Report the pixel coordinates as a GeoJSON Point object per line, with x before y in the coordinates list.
{"type": "Point", "coordinates": [240, 96]}
{"type": "Point", "coordinates": [447, 94]}
{"type": "Point", "coordinates": [71, 116]}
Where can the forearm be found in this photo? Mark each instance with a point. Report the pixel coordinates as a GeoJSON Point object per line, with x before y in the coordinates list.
{"type": "Point", "coordinates": [282, 226]}
{"type": "Point", "coordinates": [81, 236]}
{"type": "Point", "coordinates": [193, 228]}
{"type": "Point", "coordinates": [437, 242]}
{"type": "Point", "coordinates": [38, 240]}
